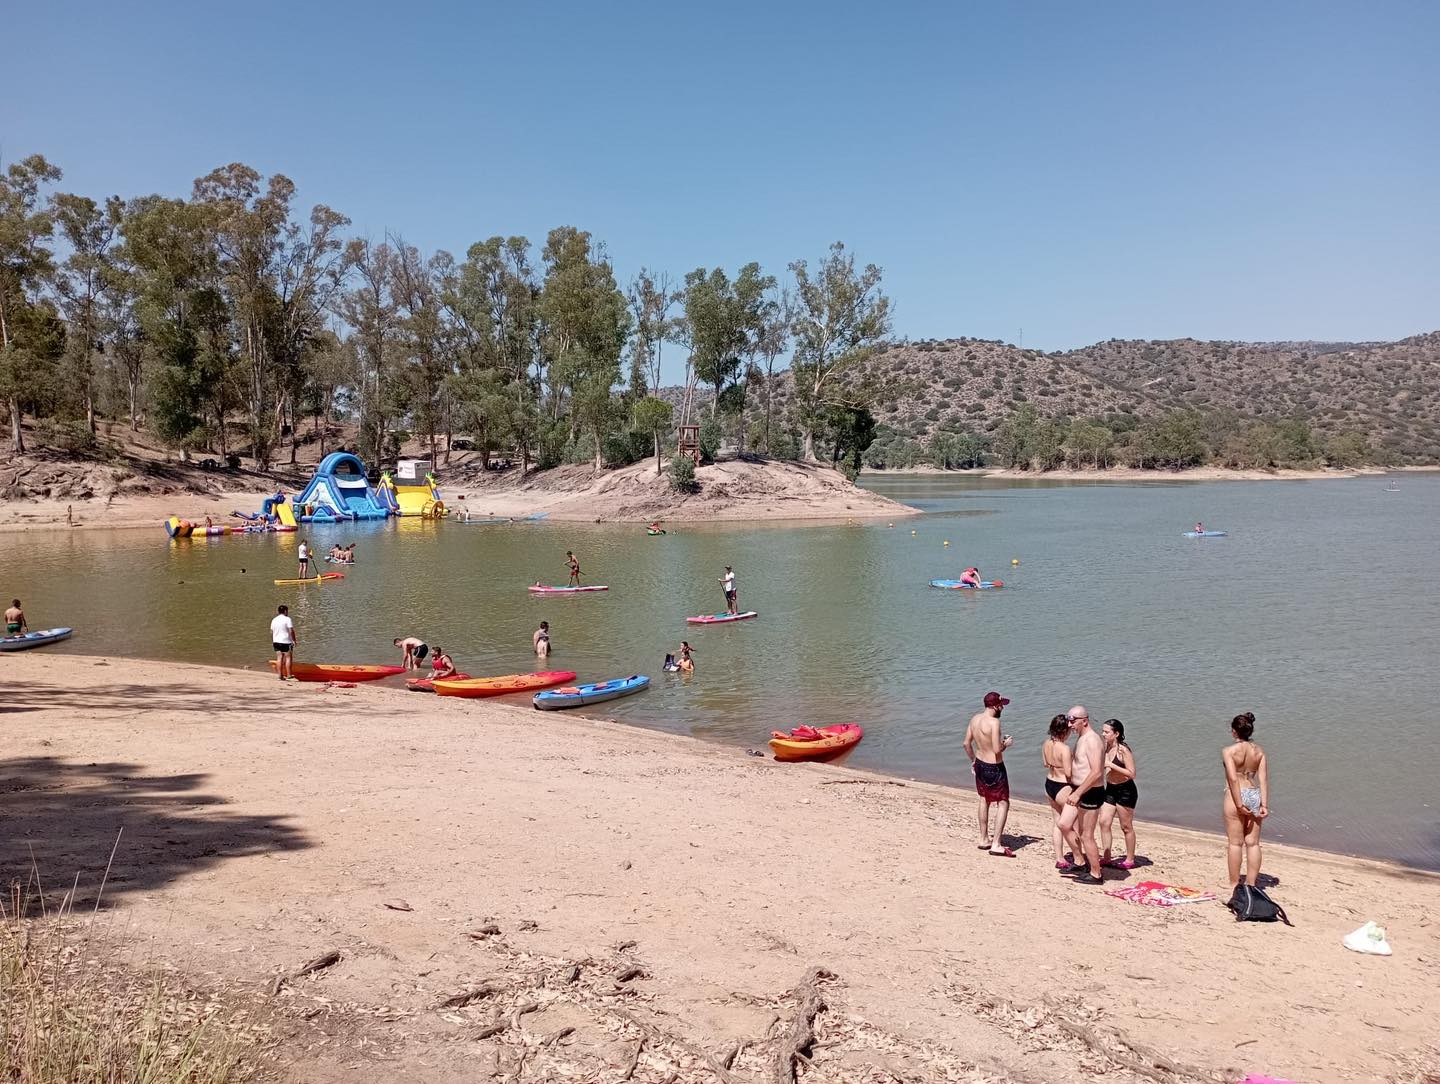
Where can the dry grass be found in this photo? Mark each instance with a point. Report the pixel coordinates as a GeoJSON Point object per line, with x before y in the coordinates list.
{"type": "Point", "coordinates": [70, 1015]}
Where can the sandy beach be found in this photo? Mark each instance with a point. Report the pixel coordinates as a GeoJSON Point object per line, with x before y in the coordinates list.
{"type": "Point", "coordinates": [1136, 474]}
{"type": "Point", "coordinates": [661, 897]}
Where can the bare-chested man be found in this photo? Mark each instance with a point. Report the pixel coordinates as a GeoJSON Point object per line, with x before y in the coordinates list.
{"type": "Point", "coordinates": [1087, 775]}
{"type": "Point", "coordinates": [985, 746]}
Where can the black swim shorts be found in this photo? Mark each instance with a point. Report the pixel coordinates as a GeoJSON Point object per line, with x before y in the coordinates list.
{"type": "Point", "coordinates": [1124, 793]}
{"type": "Point", "coordinates": [284, 649]}
{"type": "Point", "coordinates": [1093, 798]}
{"type": "Point", "coordinates": [421, 652]}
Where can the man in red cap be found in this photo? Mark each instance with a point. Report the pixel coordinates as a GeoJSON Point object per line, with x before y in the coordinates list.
{"type": "Point", "coordinates": [985, 746]}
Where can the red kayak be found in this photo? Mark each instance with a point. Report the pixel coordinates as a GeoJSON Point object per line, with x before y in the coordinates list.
{"type": "Point", "coordinates": [499, 686]}
{"type": "Point", "coordinates": [329, 671]}
{"type": "Point", "coordinates": [813, 742]}
{"type": "Point", "coordinates": [427, 685]}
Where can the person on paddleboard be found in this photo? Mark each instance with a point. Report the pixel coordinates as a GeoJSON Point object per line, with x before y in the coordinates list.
{"type": "Point", "coordinates": [727, 581]}
{"type": "Point", "coordinates": [574, 563]}
{"type": "Point", "coordinates": [1199, 528]}
{"type": "Point", "coordinates": [304, 554]}
{"type": "Point", "coordinates": [971, 576]}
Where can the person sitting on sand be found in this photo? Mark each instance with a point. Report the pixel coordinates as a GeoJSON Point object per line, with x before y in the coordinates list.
{"type": "Point", "coordinates": [441, 665]}
{"type": "Point", "coordinates": [574, 563]}
{"type": "Point", "coordinates": [1055, 754]}
{"type": "Point", "coordinates": [971, 576]}
{"type": "Point", "coordinates": [985, 746]}
{"type": "Point", "coordinates": [540, 641]}
{"type": "Point", "coordinates": [1120, 794]}
{"type": "Point", "coordinates": [15, 622]}
{"type": "Point", "coordinates": [415, 650]}
{"type": "Point", "coordinates": [1247, 799]}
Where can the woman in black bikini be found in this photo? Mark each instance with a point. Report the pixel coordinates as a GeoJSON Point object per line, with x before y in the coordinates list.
{"type": "Point", "coordinates": [1056, 755]}
{"type": "Point", "coordinates": [1121, 793]}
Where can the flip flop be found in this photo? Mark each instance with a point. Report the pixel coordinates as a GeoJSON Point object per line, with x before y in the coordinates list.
{"type": "Point", "coordinates": [1004, 852]}
{"type": "Point", "coordinates": [982, 846]}
{"type": "Point", "coordinates": [1126, 864]}
{"type": "Point", "coordinates": [1064, 866]}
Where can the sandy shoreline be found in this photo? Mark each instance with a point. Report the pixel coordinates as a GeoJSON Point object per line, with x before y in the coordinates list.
{"type": "Point", "coordinates": [1135, 474]}
{"type": "Point", "coordinates": [265, 824]}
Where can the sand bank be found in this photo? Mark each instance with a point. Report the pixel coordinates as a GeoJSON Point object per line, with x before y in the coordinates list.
{"type": "Point", "coordinates": [265, 824]}
{"type": "Point", "coordinates": [1135, 474]}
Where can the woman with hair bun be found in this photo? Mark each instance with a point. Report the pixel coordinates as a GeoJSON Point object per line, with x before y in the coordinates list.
{"type": "Point", "coordinates": [1121, 794]}
{"type": "Point", "coordinates": [1055, 754]}
{"type": "Point", "coordinates": [1247, 798]}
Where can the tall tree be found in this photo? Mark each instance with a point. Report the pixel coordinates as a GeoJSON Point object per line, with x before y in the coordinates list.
{"type": "Point", "coordinates": [26, 226]}
{"type": "Point", "coordinates": [651, 302]}
{"type": "Point", "coordinates": [723, 323]}
{"type": "Point", "coordinates": [370, 309]}
{"type": "Point", "coordinates": [841, 316]}
{"type": "Point", "coordinates": [89, 231]}
{"type": "Point", "coordinates": [775, 318]}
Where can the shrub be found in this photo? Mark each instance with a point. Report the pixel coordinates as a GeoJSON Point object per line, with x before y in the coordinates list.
{"type": "Point", "coordinates": [682, 475]}
{"type": "Point", "coordinates": [711, 433]}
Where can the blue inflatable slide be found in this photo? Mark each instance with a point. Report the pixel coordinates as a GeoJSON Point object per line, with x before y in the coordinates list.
{"type": "Point", "coordinates": [339, 493]}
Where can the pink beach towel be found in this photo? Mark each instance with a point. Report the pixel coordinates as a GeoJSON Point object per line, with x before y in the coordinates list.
{"type": "Point", "coordinates": [1156, 894]}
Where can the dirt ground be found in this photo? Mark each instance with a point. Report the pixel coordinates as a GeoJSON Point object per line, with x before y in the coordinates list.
{"type": "Point", "coordinates": [516, 896]}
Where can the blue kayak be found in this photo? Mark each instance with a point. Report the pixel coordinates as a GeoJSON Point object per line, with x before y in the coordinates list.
{"type": "Point", "coordinates": [39, 638]}
{"type": "Point", "coordinates": [956, 585]}
{"type": "Point", "coordinates": [577, 696]}
{"type": "Point", "coordinates": [1205, 534]}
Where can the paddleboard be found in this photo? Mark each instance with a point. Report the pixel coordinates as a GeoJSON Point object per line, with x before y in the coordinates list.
{"type": "Point", "coordinates": [38, 638]}
{"type": "Point", "coordinates": [1205, 534]}
{"type": "Point", "coordinates": [313, 579]}
{"type": "Point", "coordinates": [539, 589]}
{"type": "Point", "coordinates": [956, 585]}
{"type": "Point", "coordinates": [720, 619]}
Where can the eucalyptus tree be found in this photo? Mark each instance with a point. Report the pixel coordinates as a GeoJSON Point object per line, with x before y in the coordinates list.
{"type": "Point", "coordinates": [772, 339]}
{"type": "Point", "coordinates": [723, 323]}
{"type": "Point", "coordinates": [26, 226]}
{"type": "Point", "coordinates": [81, 281]}
{"type": "Point", "coordinates": [427, 342]}
{"type": "Point", "coordinates": [841, 315]}
{"type": "Point", "coordinates": [370, 309]}
{"type": "Point", "coordinates": [651, 301]}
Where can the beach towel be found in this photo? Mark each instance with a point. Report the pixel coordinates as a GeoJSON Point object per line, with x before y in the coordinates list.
{"type": "Point", "coordinates": [1156, 894]}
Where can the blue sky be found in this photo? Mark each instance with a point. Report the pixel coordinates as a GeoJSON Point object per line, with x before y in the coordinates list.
{"type": "Point", "coordinates": [1220, 170]}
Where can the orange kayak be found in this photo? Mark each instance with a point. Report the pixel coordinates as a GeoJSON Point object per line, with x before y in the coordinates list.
{"type": "Point", "coordinates": [810, 742]}
{"type": "Point", "coordinates": [427, 685]}
{"type": "Point", "coordinates": [329, 671]}
{"type": "Point", "coordinates": [499, 686]}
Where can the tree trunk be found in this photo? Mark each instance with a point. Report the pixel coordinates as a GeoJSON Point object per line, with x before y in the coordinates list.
{"type": "Point", "coordinates": [807, 444]}
{"type": "Point", "coordinates": [133, 380]}
{"type": "Point", "coordinates": [17, 434]}
{"type": "Point", "coordinates": [599, 455]}
{"type": "Point", "coordinates": [656, 435]}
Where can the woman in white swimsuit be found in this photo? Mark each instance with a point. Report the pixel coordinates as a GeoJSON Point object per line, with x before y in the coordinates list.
{"type": "Point", "coordinates": [1247, 799]}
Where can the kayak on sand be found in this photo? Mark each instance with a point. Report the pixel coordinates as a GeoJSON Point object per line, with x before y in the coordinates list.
{"type": "Point", "coordinates": [313, 579]}
{"type": "Point", "coordinates": [543, 589]}
{"type": "Point", "coordinates": [577, 696]}
{"type": "Point", "coordinates": [809, 742]}
{"type": "Point", "coordinates": [474, 688]}
{"type": "Point", "coordinates": [334, 671]}
{"type": "Point", "coordinates": [38, 638]}
{"type": "Point", "coordinates": [427, 685]}
{"type": "Point", "coordinates": [720, 619]}
{"type": "Point", "coordinates": [956, 585]}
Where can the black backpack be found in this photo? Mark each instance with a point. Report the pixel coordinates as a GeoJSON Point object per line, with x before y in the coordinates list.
{"type": "Point", "coordinates": [1250, 904]}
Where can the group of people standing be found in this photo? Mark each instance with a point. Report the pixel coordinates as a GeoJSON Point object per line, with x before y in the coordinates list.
{"type": "Point", "coordinates": [1094, 783]}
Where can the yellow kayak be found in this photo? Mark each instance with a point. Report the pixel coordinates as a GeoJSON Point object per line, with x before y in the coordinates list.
{"type": "Point", "coordinates": [313, 579]}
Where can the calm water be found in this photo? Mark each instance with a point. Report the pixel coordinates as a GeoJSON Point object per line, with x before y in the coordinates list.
{"type": "Point", "coordinates": [1319, 613]}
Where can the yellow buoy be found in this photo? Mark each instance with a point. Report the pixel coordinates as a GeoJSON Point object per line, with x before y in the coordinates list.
{"type": "Point", "coordinates": [889, 524]}
{"type": "Point", "coordinates": [912, 534]}
{"type": "Point", "coordinates": [1014, 560]}
{"type": "Point", "coordinates": [947, 541]}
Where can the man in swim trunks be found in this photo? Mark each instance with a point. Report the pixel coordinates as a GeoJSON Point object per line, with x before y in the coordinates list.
{"type": "Point", "coordinates": [304, 555]}
{"type": "Point", "coordinates": [282, 639]}
{"type": "Point", "coordinates": [985, 746]}
{"type": "Point", "coordinates": [15, 619]}
{"type": "Point", "coordinates": [728, 582]}
{"type": "Point", "coordinates": [574, 563]}
{"type": "Point", "coordinates": [1087, 775]}
{"type": "Point", "coordinates": [971, 576]}
{"type": "Point", "coordinates": [415, 651]}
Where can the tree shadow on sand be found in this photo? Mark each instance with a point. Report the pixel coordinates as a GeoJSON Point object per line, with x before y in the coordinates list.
{"type": "Point", "coordinates": [59, 821]}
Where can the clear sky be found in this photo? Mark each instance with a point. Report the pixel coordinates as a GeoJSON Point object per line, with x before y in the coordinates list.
{"type": "Point", "coordinates": [1079, 171]}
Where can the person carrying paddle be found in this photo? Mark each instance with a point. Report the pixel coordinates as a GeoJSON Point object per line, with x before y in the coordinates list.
{"type": "Point", "coordinates": [304, 554]}
{"type": "Point", "coordinates": [727, 581]}
{"type": "Point", "coordinates": [574, 563]}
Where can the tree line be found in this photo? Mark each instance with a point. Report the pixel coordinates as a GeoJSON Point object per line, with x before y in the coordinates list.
{"type": "Point", "coordinates": [232, 321]}
{"type": "Point", "coordinates": [1176, 439]}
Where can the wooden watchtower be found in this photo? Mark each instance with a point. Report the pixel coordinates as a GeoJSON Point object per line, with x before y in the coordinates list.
{"type": "Point", "coordinates": [690, 442]}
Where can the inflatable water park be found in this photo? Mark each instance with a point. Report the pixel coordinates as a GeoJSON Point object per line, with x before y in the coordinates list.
{"type": "Point", "coordinates": [338, 492]}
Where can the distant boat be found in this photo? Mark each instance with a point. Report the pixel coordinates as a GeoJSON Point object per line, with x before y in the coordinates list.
{"type": "Point", "coordinates": [1392, 488]}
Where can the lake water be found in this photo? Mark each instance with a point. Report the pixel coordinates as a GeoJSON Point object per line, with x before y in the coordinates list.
{"type": "Point", "coordinates": [1320, 613]}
